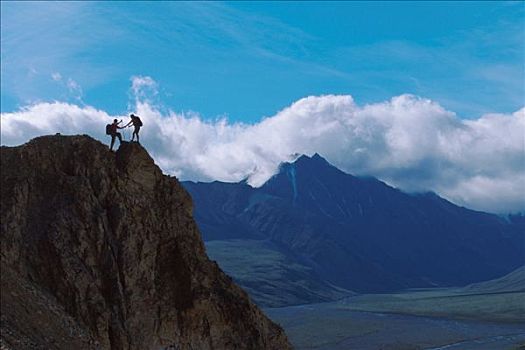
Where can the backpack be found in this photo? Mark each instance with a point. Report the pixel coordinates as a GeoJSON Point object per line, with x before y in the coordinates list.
{"type": "Point", "coordinates": [108, 129]}
{"type": "Point", "coordinates": [139, 122]}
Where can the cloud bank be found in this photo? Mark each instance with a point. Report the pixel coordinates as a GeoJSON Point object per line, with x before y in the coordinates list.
{"type": "Point", "coordinates": [409, 142]}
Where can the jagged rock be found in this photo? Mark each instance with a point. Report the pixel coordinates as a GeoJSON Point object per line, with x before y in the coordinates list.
{"type": "Point", "coordinates": [99, 250]}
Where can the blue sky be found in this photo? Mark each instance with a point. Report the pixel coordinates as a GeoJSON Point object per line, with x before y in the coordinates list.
{"type": "Point", "coordinates": [426, 96]}
{"type": "Point", "coordinates": [248, 60]}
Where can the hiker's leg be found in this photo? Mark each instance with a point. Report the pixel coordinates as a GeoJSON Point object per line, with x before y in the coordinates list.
{"type": "Point", "coordinates": [119, 138]}
{"type": "Point", "coordinates": [112, 142]}
{"type": "Point", "coordinates": [137, 129]}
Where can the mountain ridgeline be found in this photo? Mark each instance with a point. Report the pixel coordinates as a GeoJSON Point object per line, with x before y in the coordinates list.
{"type": "Point", "coordinates": [356, 233]}
{"type": "Point", "coordinates": [99, 250]}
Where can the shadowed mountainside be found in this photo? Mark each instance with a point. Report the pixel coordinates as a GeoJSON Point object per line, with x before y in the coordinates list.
{"type": "Point", "coordinates": [273, 276]}
{"type": "Point", "coordinates": [99, 250]}
{"type": "Point", "coordinates": [359, 233]}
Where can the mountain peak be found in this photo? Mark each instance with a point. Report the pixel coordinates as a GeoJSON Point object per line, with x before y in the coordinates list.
{"type": "Point", "coordinates": [317, 158]}
{"type": "Point", "coordinates": [314, 163]}
{"type": "Point", "coordinates": [298, 181]}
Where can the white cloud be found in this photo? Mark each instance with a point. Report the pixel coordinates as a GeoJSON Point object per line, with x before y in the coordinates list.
{"type": "Point", "coordinates": [409, 142]}
{"type": "Point", "coordinates": [56, 76]}
{"type": "Point", "coordinates": [143, 87]}
{"type": "Point", "coordinates": [74, 89]}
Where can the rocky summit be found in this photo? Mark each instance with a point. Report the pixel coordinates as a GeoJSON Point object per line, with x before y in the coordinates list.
{"type": "Point", "coordinates": [99, 250]}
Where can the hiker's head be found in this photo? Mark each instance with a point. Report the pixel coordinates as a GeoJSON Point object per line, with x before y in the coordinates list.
{"type": "Point", "coordinates": [132, 115]}
{"type": "Point", "coordinates": [115, 121]}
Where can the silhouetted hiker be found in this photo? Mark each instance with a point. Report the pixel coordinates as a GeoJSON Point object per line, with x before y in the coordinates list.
{"type": "Point", "coordinates": [137, 123]}
{"type": "Point", "coordinates": [111, 129]}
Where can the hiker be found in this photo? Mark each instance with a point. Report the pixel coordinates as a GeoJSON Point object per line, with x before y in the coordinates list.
{"type": "Point", "coordinates": [111, 129]}
{"type": "Point", "coordinates": [137, 123]}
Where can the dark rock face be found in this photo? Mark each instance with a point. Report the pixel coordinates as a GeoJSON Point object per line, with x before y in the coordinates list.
{"type": "Point", "coordinates": [359, 233]}
{"type": "Point", "coordinates": [100, 250]}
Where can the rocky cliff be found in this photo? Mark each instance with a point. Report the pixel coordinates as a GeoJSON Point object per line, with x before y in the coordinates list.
{"type": "Point", "coordinates": [99, 250]}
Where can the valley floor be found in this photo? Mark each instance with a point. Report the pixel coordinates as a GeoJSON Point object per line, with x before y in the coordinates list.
{"type": "Point", "coordinates": [431, 320]}
{"type": "Point", "coordinates": [324, 327]}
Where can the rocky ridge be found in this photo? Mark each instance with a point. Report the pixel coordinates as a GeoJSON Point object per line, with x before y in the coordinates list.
{"type": "Point", "coordinates": [99, 250]}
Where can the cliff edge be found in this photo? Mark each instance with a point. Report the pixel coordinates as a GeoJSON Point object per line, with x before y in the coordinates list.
{"type": "Point", "coordinates": [99, 250]}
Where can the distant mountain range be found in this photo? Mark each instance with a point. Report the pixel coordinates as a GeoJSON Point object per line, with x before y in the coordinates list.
{"type": "Point", "coordinates": [353, 233]}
